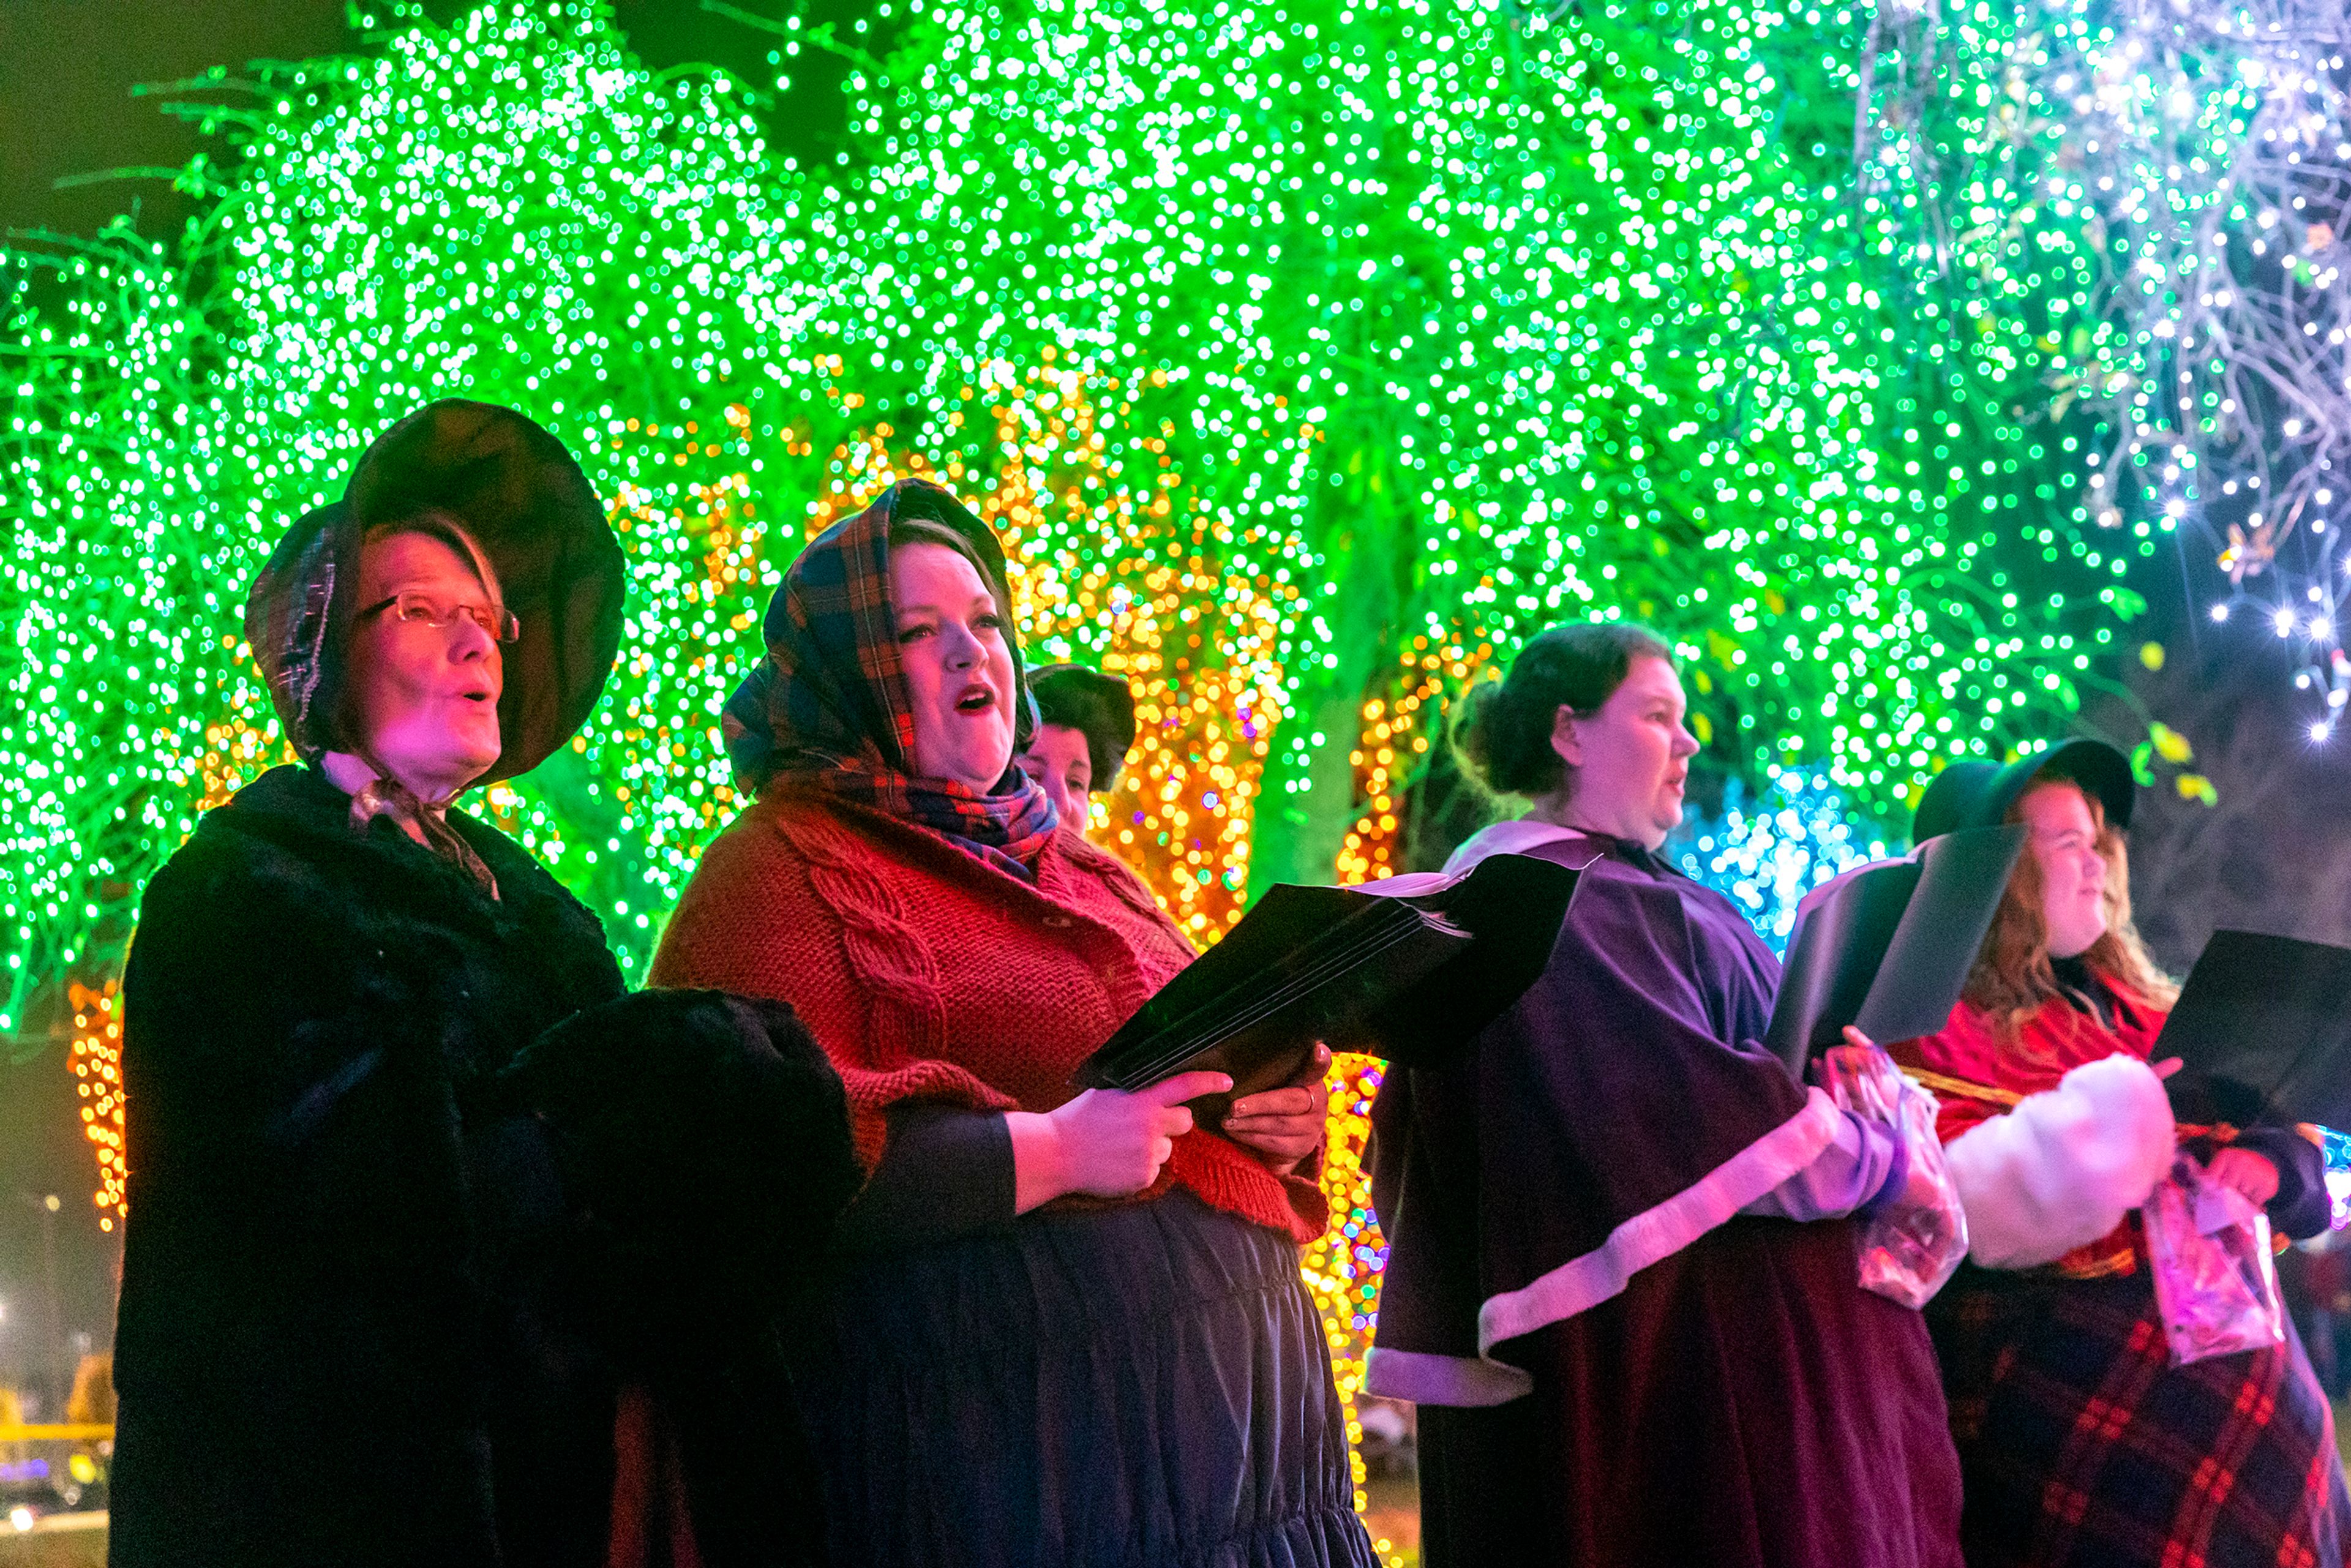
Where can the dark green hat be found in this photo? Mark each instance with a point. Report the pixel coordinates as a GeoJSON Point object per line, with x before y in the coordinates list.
{"type": "Point", "coordinates": [526, 502]}
{"type": "Point", "coordinates": [1083, 699]}
{"type": "Point", "coordinates": [1978, 794]}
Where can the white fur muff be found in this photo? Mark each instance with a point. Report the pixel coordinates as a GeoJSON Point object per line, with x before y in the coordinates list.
{"type": "Point", "coordinates": [2062, 1168]}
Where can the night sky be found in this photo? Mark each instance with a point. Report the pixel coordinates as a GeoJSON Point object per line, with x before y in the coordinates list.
{"type": "Point", "coordinates": [67, 68]}
{"type": "Point", "coordinates": [67, 71]}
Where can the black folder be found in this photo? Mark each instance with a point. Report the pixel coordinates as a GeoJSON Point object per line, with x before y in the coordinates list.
{"type": "Point", "coordinates": [1411, 978]}
{"type": "Point", "coordinates": [1887, 947]}
{"type": "Point", "coordinates": [2262, 1030]}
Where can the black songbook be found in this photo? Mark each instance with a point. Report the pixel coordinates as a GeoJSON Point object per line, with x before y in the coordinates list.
{"type": "Point", "coordinates": [2262, 1030]}
{"type": "Point", "coordinates": [1410, 978]}
{"type": "Point", "coordinates": [1886, 948]}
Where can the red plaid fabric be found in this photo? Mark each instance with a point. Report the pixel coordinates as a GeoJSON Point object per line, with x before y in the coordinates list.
{"type": "Point", "coordinates": [827, 709]}
{"type": "Point", "coordinates": [2081, 1446]}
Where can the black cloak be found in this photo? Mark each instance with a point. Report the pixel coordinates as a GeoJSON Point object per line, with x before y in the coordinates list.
{"type": "Point", "coordinates": [374, 1310]}
{"type": "Point", "coordinates": [416, 1191]}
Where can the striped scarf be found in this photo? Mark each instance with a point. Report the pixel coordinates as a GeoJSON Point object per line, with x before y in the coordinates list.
{"type": "Point", "coordinates": [826, 708]}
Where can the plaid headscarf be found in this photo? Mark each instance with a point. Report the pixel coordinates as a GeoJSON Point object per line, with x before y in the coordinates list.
{"type": "Point", "coordinates": [827, 707]}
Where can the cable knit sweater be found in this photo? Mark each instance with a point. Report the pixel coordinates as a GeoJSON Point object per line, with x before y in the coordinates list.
{"type": "Point", "coordinates": [929, 976]}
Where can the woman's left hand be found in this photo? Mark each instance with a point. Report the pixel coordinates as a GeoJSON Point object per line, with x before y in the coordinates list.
{"type": "Point", "coordinates": [2251, 1174]}
{"type": "Point", "coordinates": [1282, 1126]}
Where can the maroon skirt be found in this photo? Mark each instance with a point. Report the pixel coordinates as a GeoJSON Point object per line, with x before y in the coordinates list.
{"type": "Point", "coordinates": [1743, 1404]}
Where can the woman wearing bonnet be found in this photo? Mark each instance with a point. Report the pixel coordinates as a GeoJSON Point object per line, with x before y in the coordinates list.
{"type": "Point", "coordinates": [1069, 1328]}
{"type": "Point", "coordinates": [2078, 1441]}
{"type": "Point", "coordinates": [406, 1245]}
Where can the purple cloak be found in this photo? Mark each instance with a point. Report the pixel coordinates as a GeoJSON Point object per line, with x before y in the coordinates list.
{"type": "Point", "coordinates": [1612, 1364]}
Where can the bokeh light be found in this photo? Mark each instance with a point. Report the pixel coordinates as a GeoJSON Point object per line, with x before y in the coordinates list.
{"type": "Point", "coordinates": [1310, 357]}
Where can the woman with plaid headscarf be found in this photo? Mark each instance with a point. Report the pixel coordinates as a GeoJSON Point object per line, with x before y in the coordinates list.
{"type": "Point", "coordinates": [1068, 1328]}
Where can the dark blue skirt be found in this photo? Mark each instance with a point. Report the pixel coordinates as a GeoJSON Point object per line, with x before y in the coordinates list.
{"type": "Point", "coordinates": [1143, 1386]}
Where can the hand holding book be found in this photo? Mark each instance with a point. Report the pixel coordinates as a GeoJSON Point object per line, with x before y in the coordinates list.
{"type": "Point", "coordinates": [1886, 947]}
{"type": "Point", "coordinates": [1282, 1126]}
{"type": "Point", "coordinates": [1106, 1143]}
{"type": "Point", "coordinates": [1410, 977]}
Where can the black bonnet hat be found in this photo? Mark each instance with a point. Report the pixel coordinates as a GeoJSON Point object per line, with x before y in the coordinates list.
{"type": "Point", "coordinates": [537, 519]}
{"type": "Point", "coordinates": [1978, 794]}
{"type": "Point", "coordinates": [1101, 705]}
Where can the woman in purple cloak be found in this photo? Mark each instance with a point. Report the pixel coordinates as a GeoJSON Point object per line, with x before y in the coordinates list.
{"type": "Point", "coordinates": [1622, 1277]}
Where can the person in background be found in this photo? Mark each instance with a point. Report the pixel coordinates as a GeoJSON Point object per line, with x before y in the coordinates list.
{"type": "Point", "coordinates": [2079, 1442]}
{"type": "Point", "coordinates": [2315, 1277]}
{"type": "Point", "coordinates": [1085, 727]}
{"type": "Point", "coordinates": [372, 1303]}
{"type": "Point", "coordinates": [12, 1414]}
{"type": "Point", "coordinates": [92, 1403]}
{"type": "Point", "coordinates": [1068, 1329]}
{"type": "Point", "coordinates": [1622, 1284]}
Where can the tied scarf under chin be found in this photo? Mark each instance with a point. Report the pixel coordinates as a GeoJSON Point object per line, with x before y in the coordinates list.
{"type": "Point", "coordinates": [385, 797]}
{"type": "Point", "coordinates": [827, 710]}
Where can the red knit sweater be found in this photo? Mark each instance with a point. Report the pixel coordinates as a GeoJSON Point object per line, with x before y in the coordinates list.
{"type": "Point", "coordinates": [926, 974]}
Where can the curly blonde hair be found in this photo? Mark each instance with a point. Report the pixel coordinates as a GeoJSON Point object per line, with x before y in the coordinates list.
{"type": "Point", "coordinates": [2012, 978]}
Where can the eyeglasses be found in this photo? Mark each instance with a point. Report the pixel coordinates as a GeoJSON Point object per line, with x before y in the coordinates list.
{"type": "Point", "coordinates": [422, 609]}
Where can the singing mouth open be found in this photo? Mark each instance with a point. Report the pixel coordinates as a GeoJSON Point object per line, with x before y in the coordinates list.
{"type": "Point", "coordinates": [975, 699]}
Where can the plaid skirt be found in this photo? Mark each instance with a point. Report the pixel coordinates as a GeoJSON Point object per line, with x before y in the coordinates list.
{"type": "Point", "coordinates": [2081, 1445]}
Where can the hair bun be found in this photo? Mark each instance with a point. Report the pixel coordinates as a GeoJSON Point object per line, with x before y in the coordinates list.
{"type": "Point", "coordinates": [1476, 718]}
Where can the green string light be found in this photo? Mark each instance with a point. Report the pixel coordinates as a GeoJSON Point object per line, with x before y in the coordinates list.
{"type": "Point", "coordinates": [1419, 321]}
{"type": "Point", "coordinates": [1310, 356]}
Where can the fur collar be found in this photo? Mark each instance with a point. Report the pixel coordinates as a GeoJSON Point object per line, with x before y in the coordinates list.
{"type": "Point", "coordinates": [296, 811]}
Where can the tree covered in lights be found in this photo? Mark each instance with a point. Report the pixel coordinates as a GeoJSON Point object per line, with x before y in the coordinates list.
{"type": "Point", "coordinates": [507, 209]}
{"type": "Point", "coordinates": [2130, 221]}
{"type": "Point", "coordinates": [1644, 360]}
{"type": "Point", "coordinates": [1470, 317]}
{"type": "Point", "coordinates": [1309, 357]}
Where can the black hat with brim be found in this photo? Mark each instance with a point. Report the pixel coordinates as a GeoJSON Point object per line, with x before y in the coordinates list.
{"type": "Point", "coordinates": [1101, 705]}
{"type": "Point", "coordinates": [524, 500]}
{"type": "Point", "coordinates": [1979, 794]}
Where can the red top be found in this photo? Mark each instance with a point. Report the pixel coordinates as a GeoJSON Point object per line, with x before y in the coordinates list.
{"type": "Point", "coordinates": [926, 974]}
{"type": "Point", "coordinates": [1968, 1053]}
{"type": "Point", "coordinates": [2052, 1042]}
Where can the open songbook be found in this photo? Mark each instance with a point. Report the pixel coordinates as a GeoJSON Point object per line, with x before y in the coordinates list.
{"type": "Point", "coordinates": [1407, 970]}
{"type": "Point", "coordinates": [2262, 1030]}
{"type": "Point", "coordinates": [1886, 948]}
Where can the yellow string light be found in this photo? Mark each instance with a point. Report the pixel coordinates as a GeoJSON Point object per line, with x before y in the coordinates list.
{"type": "Point", "coordinates": [97, 1058]}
